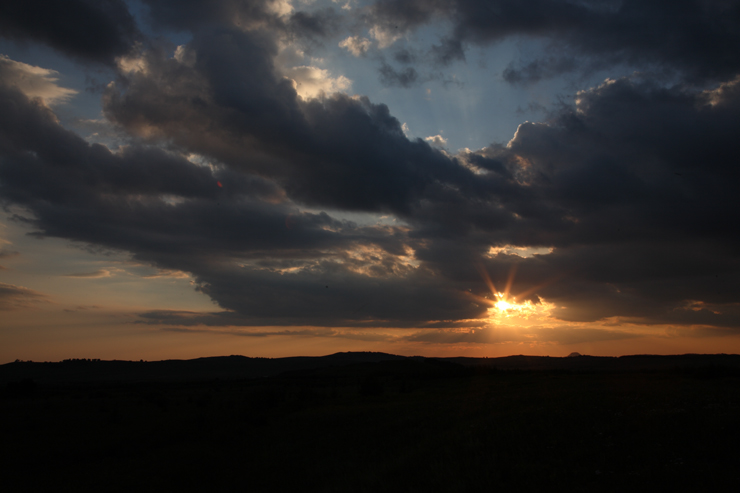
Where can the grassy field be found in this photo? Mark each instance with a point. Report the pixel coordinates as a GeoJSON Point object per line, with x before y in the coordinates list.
{"type": "Point", "coordinates": [364, 430]}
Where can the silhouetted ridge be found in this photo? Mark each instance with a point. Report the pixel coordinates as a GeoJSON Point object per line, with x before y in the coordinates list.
{"type": "Point", "coordinates": [361, 363]}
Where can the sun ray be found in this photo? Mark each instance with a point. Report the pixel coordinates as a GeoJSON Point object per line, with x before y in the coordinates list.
{"type": "Point", "coordinates": [510, 280]}
{"type": "Point", "coordinates": [541, 285]}
{"type": "Point", "coordinates": [504, 306]}
{"type": "Point", "coordinates": [487, 278]}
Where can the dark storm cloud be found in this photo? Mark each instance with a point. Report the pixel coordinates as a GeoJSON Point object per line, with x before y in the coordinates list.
{"type": "Point", "coordinates": [97, 31]}
{"type": "Point", "coordinates": [87, 193]}
{"type": "Point", "coordinates": [339, 152]}
{"type": "Point", "coordinates": [607, 176]}
{"type": "Point", "coordinates": [315, 25]}
{"type": "Point", "coordinates": [331, 295]}
{"type": "Point", "coordinates": [120, 200]}
{"type": "Point", "coordinates": [603, 184]}
{"type": "Point", "coordinates": [648, 282]}
{"type": "Point", "coordinates": [633, 187]}
{"type": "Point", "coordinates": [633, 161]}
{"type": "Point", "coordinates": [699, 39]}
{"type": "Point", "coordinates": [194, 15]}
{"type": "Point", "coordinates": [32, 139]}
{"type": "Point", "coordinates": [406, 15]}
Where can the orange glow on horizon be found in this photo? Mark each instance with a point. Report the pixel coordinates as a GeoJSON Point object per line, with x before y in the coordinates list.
{"type": "Point", "coordinates": [502, 305]}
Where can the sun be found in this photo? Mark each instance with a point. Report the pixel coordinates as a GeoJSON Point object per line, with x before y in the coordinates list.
{"type": "Point", "coordinates": [507, 306]}
{"type": "Point", "coordinates": [502, 305]}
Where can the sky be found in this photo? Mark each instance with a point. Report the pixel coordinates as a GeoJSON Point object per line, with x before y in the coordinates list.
{"type": "Point", "coordinates": [270, 178]}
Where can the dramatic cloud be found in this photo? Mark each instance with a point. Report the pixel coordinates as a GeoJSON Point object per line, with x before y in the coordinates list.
{"type": "Point", "coordinates": [89, 30]}
{"type": "Point", "coordinates": [293, 203]}
{"type": "Point", "coordinates": [342, 151]}
{"type": "Point", "coordinates": [278, 16]}
{"type": "Point", "coordinates": [633, 189]}
{"type": "Point", "coordinates": [699, 39]}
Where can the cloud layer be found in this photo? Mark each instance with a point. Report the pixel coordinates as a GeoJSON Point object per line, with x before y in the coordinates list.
{"type": "Point", "coordinates": [88, 30]}
{"type": "Point", "coordinates": [236, 175]}
{"type": "Point", "coordinates": [696, 39]}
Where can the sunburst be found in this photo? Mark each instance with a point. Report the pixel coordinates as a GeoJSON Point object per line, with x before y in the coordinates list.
{"type": "Point", "coordinates": [502, 305]}
{"type": "Point", "coordinates": [508, 306]}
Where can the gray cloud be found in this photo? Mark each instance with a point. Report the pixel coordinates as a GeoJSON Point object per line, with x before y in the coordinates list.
{"type": "Point", "coordinates": [340, 151]}
{"type": "Point", "coordinates": [630, 190]}
{"type": "Point", "coordinates": [226, 171]}
{"type": "Point", "coordinates": [406, 77]}
{"type": "Point", "coordinates": [97, 31]}
{"type": "Point", "coordinates": [539, 69]}
{"type": "Point", "coordinates": [592, 184]}
{"type": "Point", "coordinates": [194, 15]}
{"type": "Point", "coordinates": [698, 39]}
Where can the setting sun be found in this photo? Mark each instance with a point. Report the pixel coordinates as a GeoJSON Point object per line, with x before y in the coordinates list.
{"type": "Point", "coordinates": [503, 305]}
{"type": "Point", "coordinates": [508, 307]}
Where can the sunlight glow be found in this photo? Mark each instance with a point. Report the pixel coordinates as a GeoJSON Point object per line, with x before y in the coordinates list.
{"type": "Point", "coordinates": [507, 307]}
{"type": "Point", "coordinates": [501, 305]}
{"type": "Point", "coordinates": [510, 309]}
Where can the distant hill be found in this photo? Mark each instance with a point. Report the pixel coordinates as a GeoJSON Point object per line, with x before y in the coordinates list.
{"type": "Point", "coordinates": [356, 363]}
{"type": "Point", "coordinates": [578, 362]}
{"type": "Point", "coordinates": [219, 367]}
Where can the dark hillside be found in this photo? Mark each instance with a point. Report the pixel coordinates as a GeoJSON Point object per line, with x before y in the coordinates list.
{"type": "Point", "coordinates": [398, 424]}
{"type": "Point", "coordinates": [241, 367]}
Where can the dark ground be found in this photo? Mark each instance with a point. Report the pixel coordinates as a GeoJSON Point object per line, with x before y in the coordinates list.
{"type": "Point", "coordinates": [381, 424]}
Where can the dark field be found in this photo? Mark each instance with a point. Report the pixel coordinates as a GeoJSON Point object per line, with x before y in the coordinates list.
{"type": "Point", "coordinates": [400, 425]}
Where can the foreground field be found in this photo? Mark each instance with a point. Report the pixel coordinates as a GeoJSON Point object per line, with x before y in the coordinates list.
{"type": "Point", "coordinates": [379, 428]}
